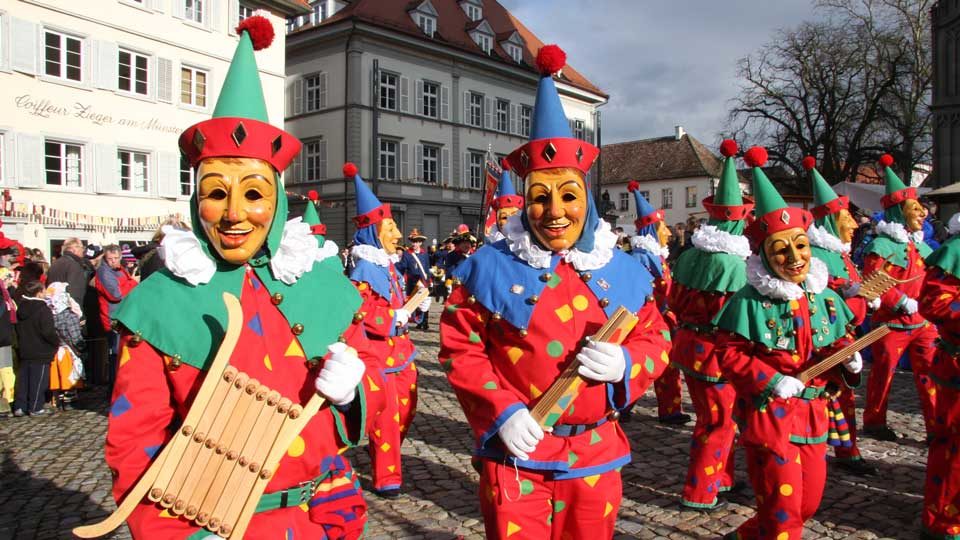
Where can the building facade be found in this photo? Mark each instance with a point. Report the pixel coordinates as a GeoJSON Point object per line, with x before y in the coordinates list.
{"type": "Point", "coordinates": [945, 17]}
{"type": "Point", "coordinates": [95, 95]}
{"type": "Point", "coordinates": [417, 95]}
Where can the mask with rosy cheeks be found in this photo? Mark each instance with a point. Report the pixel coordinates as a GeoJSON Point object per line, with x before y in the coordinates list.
{"type": "Point", "coordinates": [556, 207]}
{"type": "Point", "coordinates": [846, 226]}
{"type": "Point", "coordinates": [913, 214]}
{"type": "Point", "coordinates": [788, 254]}
{"type": "Point", "coordinates": [663, 233]}
{"type": "Point", "coordinates": [389, 235]}
{"type": "Point", "coordinates": [237, 201]}
{"type": "Point", "coordinates": [503, 214]}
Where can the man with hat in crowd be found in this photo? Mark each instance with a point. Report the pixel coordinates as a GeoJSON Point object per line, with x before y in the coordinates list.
{"type": "Point", "coordinates": [705, 276]}
{"type": "Point", "coordinates": [899, 250]}
{"type": "Point", "coordinates": [506, 204]}
{"type": "Point", "coordinates": [522, 311]}
{"type": "Point", "coordinates": [830, 237]}
{"type": "Point", "coordinates": [384, 320]}
{"type": "Point", "coordinates": [414, 265]}
{"type": "Point", "coordinates": [464, 244]}
{"type": "Point", "coordinates": [242, 244]}
{"type": "Point", "coordinates": [784, 321]}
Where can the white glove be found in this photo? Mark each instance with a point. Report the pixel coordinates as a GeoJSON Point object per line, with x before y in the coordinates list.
{"type": "Point", "coordinates": [603, 362]}
{"type": "Point", "coordinates": [851, 290]}
{"type": "Point", "coordinates": [340, 375]}
{"type": "Point", "coordinates": [401, 316]}
{"type": "Point", "coordinates": [854, 364]}
{"type": "Point", "coordinates": [874, 304]}
{"type": "Point", "coordinates": [788, 387]}
{"type": "Point", "coordinates": [425, 305]}
{"type": "Point", "coordinates": [521, 434]}
{"type": "Point", "coordinates": [909, 306]}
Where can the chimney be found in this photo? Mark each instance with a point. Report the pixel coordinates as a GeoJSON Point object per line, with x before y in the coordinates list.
{"type": "Point", "coordinates": [679, 132]}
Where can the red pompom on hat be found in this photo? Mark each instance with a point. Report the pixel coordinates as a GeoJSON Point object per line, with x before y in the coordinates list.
{"type": "Point", "coordinates": [260, 30]}
{"type": "Point", "coordinates": [313, 195]}
{"type": "Point", "coordinates": [809, 163]}
{"type": "Point", "coordinates": [756, 156]}
{"type": "Point", "coordinates": [633, 185]}
{"type": "Point", "coordinates": [550, 59]}
{"type": "Point", "coordinates": [728, 148]}
{"type": "Point", "coordinates": [886, 160]}
{"type": "Point", "coordinates": [349, 170]}
{"type": "Point", "coordinates": [505, 164]}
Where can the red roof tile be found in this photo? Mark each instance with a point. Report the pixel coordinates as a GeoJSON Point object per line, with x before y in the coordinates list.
{"type": "Point", "coordinates": [657, 159]}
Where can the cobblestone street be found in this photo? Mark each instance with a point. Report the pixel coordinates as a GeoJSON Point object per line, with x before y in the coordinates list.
{"type": "Point", "coordinates": [54, 476]}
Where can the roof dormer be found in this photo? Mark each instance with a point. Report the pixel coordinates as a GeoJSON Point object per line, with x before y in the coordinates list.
{"type": "Point", "coordinates": [513, 44]}
{"type": "Point", "coordinates": [425, 17]}
{"type": "Point", "coordinates": [482, 34]}
{"type": "Point", "coordinates": [473, 9]}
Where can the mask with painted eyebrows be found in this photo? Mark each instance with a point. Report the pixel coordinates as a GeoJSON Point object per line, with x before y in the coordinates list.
{"type": "Point", "coordinates": [556, 207]}
{"type": "Point", "coordinates": [788, 254]}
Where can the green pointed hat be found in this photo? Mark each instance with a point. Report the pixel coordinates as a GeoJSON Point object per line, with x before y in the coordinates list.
{"type": "Point", "coordinates": [773, 213]}
{"type": "Point", "coordinates": [897, 191]}
{"type": "Point", "coordinates": [727, 204]}
{"type": "Point", "coordinates": [310, 215]}
{"type": "Point", "coordinates": [825, 199]}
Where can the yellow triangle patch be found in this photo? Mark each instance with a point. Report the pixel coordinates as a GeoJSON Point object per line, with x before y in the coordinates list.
{"type": "Point", "coordinates": [391, 468]}
{"type": "Point", "coordinates": [124, 356]}
{"type": "Point", "coordinates": [607, 509]}
{"type": "Point", "coordinates": [166, 514]}
{"type": "Point", "coordinates": [514, 354]}
{"type": "Point", "coordinates": [396, 418]}
{"type": "Point", "coordinates": [266, 362]}
{"type": "Point", "coordinates": [376, 433]}
{"type": "Point", "coordinates": [294, 349]}
{"type": "Point", "coordinates": [373, 387]}
{"type": "Point", "coordinates": [404, 401]}
{"type": "Point", "coordinates": [512, 528]}
{"type": "Point", "coordinates": [591, 480]}
{"type": "Point", "coordinates": [534, 391]}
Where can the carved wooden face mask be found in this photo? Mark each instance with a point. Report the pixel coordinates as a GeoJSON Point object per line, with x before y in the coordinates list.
{"type": "Point", "coordinates": [389, 235]}
{"type": "Point", "coordinates": [846, 226]}
{"type": "Point", "coordinates": [556, 207]}
{"type": "Point", "coordinates": [913, 215]}
{"type": "Point", "coordinates": [788, 254]}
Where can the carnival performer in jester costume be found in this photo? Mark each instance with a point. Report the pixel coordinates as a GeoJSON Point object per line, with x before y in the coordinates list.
{"type": "Point", "coordinates": [521, 313]}
{"type": "Point", "coordinates": [940, 304]}
{"type": "Point", "coordinates": [296, 305]}
{"type": "Point", "coordinates": [899, 249]}
{"type": "Point", "coordinates": [785, 320]}
{"type": "Point", "coordinates": [384, 320]}
{"type": "Point", "coordinates": [705, 276]}
{"type": "Point", "coordinates": [506, 204]}
{"type": "Point", "coordinates": [649, 246]}
{"type": "Point", "coordinates": [830, 237]}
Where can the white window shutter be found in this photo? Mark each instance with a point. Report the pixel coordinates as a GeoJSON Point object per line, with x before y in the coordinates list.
{"type": "Point", "coordinates": [404, 161]}
{"type": "Point", "coordinates": [323, 160]}
{"type": "Point", "coordinates": [106, 65]}
{"type": "Point", "coordinates": [419, 110]}
{"type": "Point", "coordinates": [487, 106]}
{"type": "Point", "coordinates": [288, 99]}
{"type": "Point", "coordinates": [106, 169]}
{"type": "Point", "coordinates": [445, 166]}
{"type": "Point", "coordinates": [514, 117]}
{"type": "Point", "coordinates": [212, 15]}
{"type": "Point", "coordinates": [323, 91]}
{"type": "Point", "coordinates": [30, 153]}
{"type": "Point", "coordinates": [404, 104]}
{"type": "Point", "coordinates": [298, 96]}
{"type": "Point", "coordinates": [234, 20]}
{"type": "Point", "coordinates": [168, 174]}
{"type": "Point", "coordinates": [466, 108]}
{"type": "Point", "coordinates": [418, 159]}
{"type": "Point", "coordinates": [164, 79]}
{"type": "Point", "coordinates": [157, 5]}
{"type": "Point", "coordinates": [9, 158]}
{"type": "Point", "coordinates": [24, 44]}
{"type": "Point", "coordinates": [178, 9]}
{"type": "Point", "coordinates": [444, 103]}
{"type": "Point", "coordinates": [465, 178]}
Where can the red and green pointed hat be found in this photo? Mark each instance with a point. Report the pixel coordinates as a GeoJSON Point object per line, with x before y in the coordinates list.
{"type": "Point", "coordinates": [310, 215]}
{"type": "Point", "coordinates": [773, 214]}
{"type": "Point", "coordinates": [239, 127]}
{"type": "Point", "coordinates": [728, 204]}
{"type": "Point", "coordinates": [897, 191]}
{"type": "Point", "coordinates": [825, 199]}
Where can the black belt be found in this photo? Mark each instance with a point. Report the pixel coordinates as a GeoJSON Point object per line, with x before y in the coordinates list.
{"type": "Point", "coordinates": [572, 430]}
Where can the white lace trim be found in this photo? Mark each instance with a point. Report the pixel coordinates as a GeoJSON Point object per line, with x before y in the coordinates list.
{"type": "Point", "coordinates": [495, 236]}
{"type": "Point", "coordinates": [649, 244]}
{"type": "Point", "coordinates": [779, 289]}
{"type": "Point", "coordinates": [953, 226]}
{"type": "Point", "coordinates": [898, 232]}
{"type": "Point", "coordinates": [297, 252]}
{"type": "Point", "coordinates": [821, 237]}
{"type": "Point", "coordinates": [184, 257]}
{"type": "Point", "coordinates": [523, 246]}
{"type": "Point", "coordinates": [374, 255]}
{"type": "Point", "coordinates": [712, 240]}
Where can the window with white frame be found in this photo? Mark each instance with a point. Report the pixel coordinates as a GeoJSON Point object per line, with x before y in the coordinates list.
{"type": "Point", "coordinates": [244, 12]}
{"type": "Point", "coordinates": [515, 52]}
{"type": "Point", "coordinates": [667, 197]}
{"type": "Point", "coordinates": [427, 24]}
{"type": "Point", "coordinates": [624, 201]}
{"type": "Point", "coordinates": [476, 110]}
{"type": "Point", "coordinates": [388, 91]}
{"type": "Point", "coordinates": [187, 177]}
{"type": "Point", "coordinates": [133, 167]}
{"type": "Point", "coordinates": [319, 11]}
{"type": "Point", "coordinates": [431, 163]}
{"type": "Point", "coordinates": [691, 196]}
{"type": "Point", "coordinates": [473, 11]}
{"type": "Point", "coordinates": [313, 92]}
{"type": "Point", "coordinates": [526, 112]}
{"type": "Point", "coordinates": [484, 41]}
{"type": "Point", "coordinates": [388, 159]}
{"type": "Point", "coordinates": [63, 163]}
{"type": "Point", "coordinates": [193, 10]}
{"type": "Point", "coordinates": [431, 97]}
{"type": "Point", "coordinates": [193, 86]}
{"type": "Point", "coordinates": [63, 56]}
{"type": "Point", "coordinates": [476, 170]}
{"type": "Point", "coordinates": [579, 130]}
{"type": "Point", "coordinates": [503, 115]}
{"type": "Point", "coordinates": [313, 161]}
{"type": "Point", "coordinates": [133, 72]}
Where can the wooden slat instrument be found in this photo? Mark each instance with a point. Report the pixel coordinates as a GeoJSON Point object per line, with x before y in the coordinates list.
{"type": "Point", "coordinates": [836, 358]}
{"type": "Point", "coordinates": [216, 467]}
{"type": "Point", "coordinates": [557, 399]}
{"type": "Point", "coordinates": [878, 282]}
{"type": "Point", "coordinates": [418, 296]}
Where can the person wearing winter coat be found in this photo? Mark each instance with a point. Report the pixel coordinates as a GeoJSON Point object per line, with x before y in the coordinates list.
{"type": "Point", "coordinates": [37, 343]}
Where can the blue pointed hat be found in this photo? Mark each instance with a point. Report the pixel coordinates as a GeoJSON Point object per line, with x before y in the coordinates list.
{"type": "Point", "coordinates": [370, 211]}
{"type": "Point", "coordinates": [506, 195]}
{"type": "Point", "coordinates": [647, 215]}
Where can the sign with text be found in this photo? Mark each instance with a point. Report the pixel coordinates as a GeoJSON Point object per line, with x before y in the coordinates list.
{"type": "Point", "coordinates": [45, 108]}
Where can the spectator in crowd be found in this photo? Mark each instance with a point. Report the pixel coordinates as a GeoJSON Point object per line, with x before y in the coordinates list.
{"type": "Point", "coordinates": [66, 319]}
{"type": "Point", "coordinates": [27, 272]}
{"type": "Point", "coordinates": [8, 257]}
{"type": "Point", "coordinates": [96, 334]}
{"type": "Point", "coordinates": [37, 342]}
{"type": "Point", "coordinates": [128, 260]}
{"type": "Point", "coordinates": [113, 285]}
{"type": "Point", "coordinates": [939, 231]}
{"type": "Point", "coordinates": [8, 317]}
{"type": "Point", "coordinates": [73, 269]}
{"type": "Point", "coordinates": [151, 257]}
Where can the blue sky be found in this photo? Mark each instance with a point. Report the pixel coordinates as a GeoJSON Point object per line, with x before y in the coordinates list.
{"type": "Point", "coordinates": [663, 62]}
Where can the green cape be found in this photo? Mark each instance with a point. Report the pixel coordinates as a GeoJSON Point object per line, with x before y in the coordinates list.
{"type": "Point", "coordinates": [887, 247]}
{"type": "Point", "coordinates": [947, 257]}
{"type": "Point", "coordinates": [710, 271]}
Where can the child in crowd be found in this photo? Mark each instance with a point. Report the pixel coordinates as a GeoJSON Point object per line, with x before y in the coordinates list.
{"type": "Point", "coordinates": [8, 317]}
{"type": "Point", "coordinates": [66, 319]}
{"type": "Point", "coordinates": [37, 342]}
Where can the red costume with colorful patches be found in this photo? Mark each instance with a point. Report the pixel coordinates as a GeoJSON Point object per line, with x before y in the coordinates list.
{"type": "Point", "coordinates": [667, 387]}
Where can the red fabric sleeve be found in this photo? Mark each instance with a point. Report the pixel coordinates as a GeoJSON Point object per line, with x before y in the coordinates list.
{"type": "Point", "coordinates": [741, 366]}
{"type": "Point", "coordinates": [648, 347]}
{"type": "Point", "coordinates": [939, 298]}
{"type": "Point", "coordinates": [378, 316]}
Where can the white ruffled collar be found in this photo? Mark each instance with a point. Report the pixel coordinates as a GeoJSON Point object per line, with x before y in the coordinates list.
{"type": "Point", "coordinates": [712, 240]}
{"type": "Point", "coordinates": [821, 237]}
{"type": "Point", "coordinates": [898, 232]}
{"type": "Point", "coordinates": [778, 289]}
{"type": "Point", "coordinates": [649, 244]}
{"type": "Point", "coordinates": [373, 254]}
{"type": "Point", "coordinates": [495, 235]}
{"type": "Point", "coordinates": [523, 246]}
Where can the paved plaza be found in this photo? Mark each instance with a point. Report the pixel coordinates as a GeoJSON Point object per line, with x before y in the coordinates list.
{"type": "Point", "coordinates": [54, 478]}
